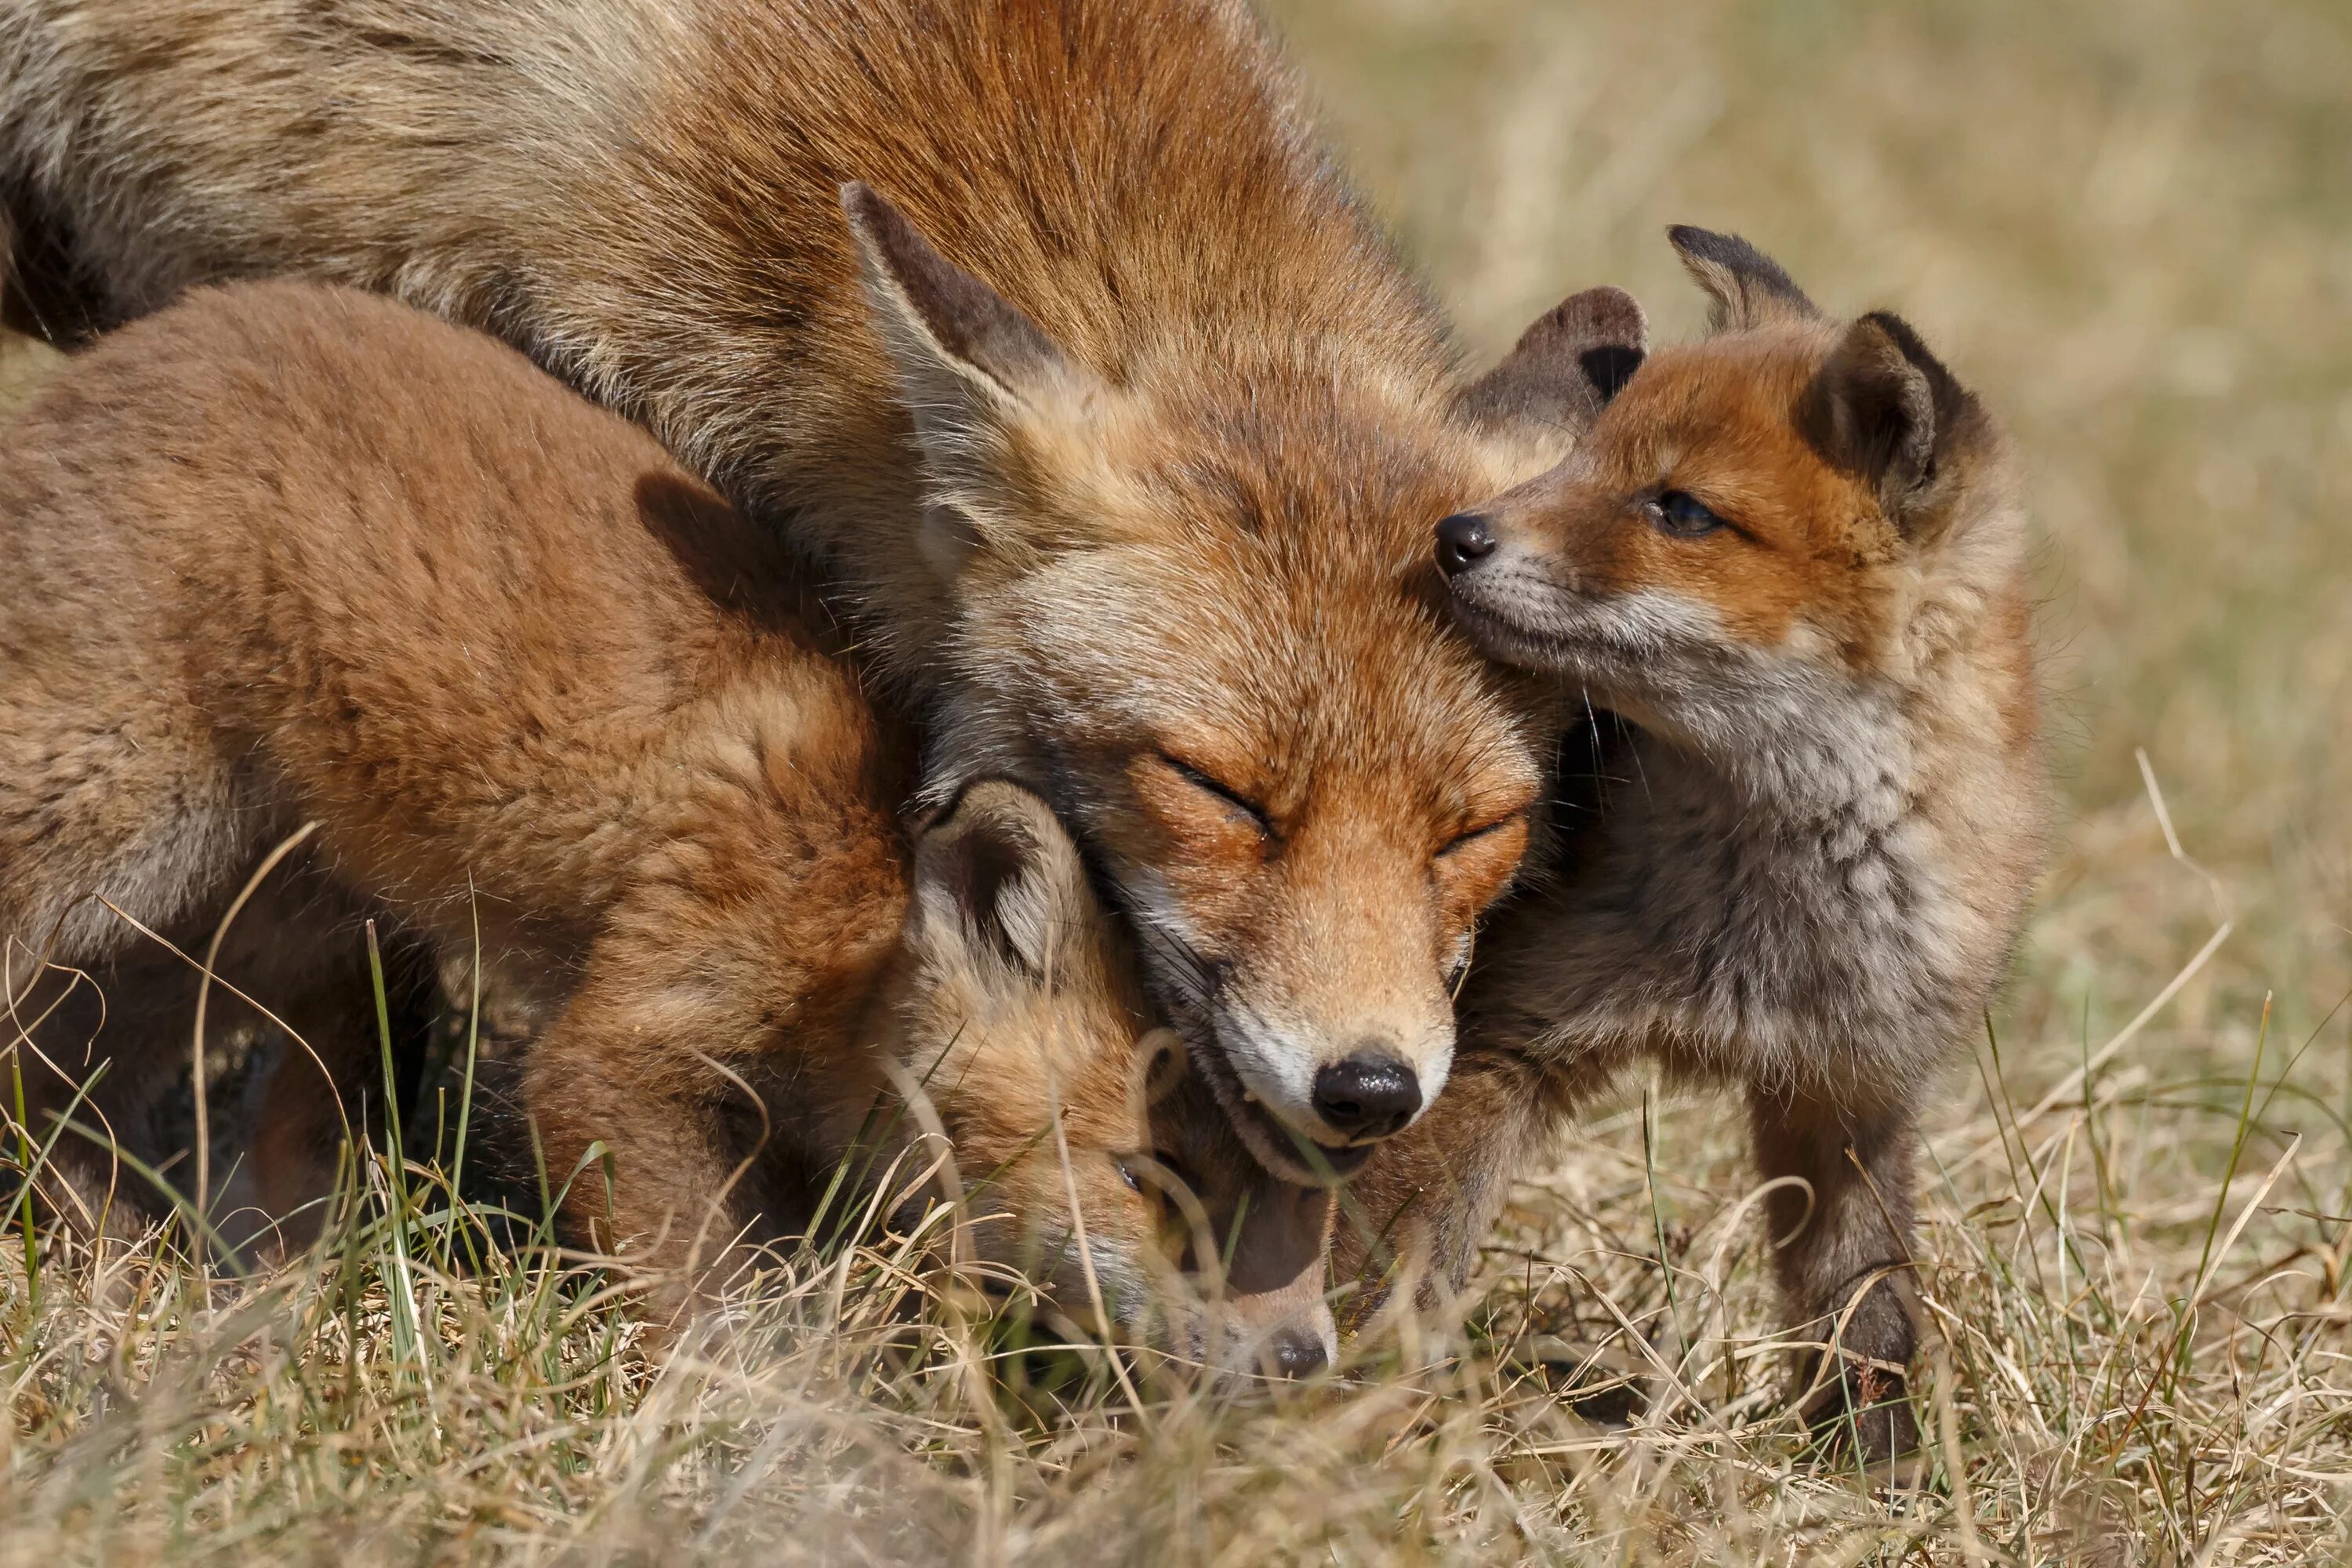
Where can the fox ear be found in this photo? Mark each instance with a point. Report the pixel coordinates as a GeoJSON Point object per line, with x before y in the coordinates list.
{"type": "Point", "coordinates": [1000, 893]}
{"type": "Point", "coordinates": [1883, 408]}
{"type": "Point", "coordinates": [1748, 288]}
{"type": "Point", "coordinates": [1566, 368]}
{"type": "Point", "coordinates": [970, 364]}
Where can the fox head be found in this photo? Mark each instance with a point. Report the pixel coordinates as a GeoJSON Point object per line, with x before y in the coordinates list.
{"type": "Point", "coordinates": [1089, 1156]}
{"type": "Point", "coordinates": [1193, 608]}
{"type": "Point", "coordinates": [1757, 531]}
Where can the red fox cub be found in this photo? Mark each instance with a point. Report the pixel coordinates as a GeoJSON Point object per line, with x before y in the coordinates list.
{"type": "Point", "coordinates": [1112, 421]}
{"type": "Point", "coordinates": [1792, 557]}
{"type": "Point", "coordinates": [289, 555]}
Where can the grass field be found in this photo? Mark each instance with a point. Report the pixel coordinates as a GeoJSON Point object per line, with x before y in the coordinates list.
{"type": "Point", "coordinates": [2130, 223]}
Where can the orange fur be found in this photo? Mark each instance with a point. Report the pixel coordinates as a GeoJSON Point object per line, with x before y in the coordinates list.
{"type": "Point", "coordinates": [1792, 556]}
{"type": "Point", "coordinates": [1113, 423]}
{"type": "Point", "coordinates": [286, 554]}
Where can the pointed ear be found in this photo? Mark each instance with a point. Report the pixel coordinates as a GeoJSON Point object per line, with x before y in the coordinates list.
{"type": "Point", "coordinates": [938, 318]}
{"type": "Point", "coordinates": [1001, 892]}
{"type": "Point", "coordinates": [1748, 287]}
{"type": "Point", "coordinates": [970, 366]}
{"type": "Point", "coordinates": [1883, 408]}
{"type": "Point", "coordinates": [1566, 368]}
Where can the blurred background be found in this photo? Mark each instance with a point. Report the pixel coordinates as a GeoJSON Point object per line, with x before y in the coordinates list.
{"type": "Point", "coordinates": [2128, 222]}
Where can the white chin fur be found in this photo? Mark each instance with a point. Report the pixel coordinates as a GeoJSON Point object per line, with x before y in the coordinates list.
{"type": "Point", "coordinates": [1277, 1070]}
{"type": "Point", "coordinates": [1528, 619]}
{"type": "Point", "coordinates": [1274, 1069]}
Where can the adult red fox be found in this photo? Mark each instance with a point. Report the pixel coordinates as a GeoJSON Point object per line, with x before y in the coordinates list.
{"type": "Point", "coordinates": [1113, 423]}
{"type": "Point", "coordinates": [287, 554]}
{"type": "Point", "coordinates": [1792, 556]}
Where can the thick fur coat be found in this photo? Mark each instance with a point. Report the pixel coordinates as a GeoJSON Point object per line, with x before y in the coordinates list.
{"type": "Point", "coordinates": [1114, 424]}
{"type": "Point", "coordinates": [288, 558]}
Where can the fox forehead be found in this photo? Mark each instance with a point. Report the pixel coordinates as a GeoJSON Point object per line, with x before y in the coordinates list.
{"type": "Point", "coordinates": [1284, 677]}
{"type": "Point", "coordinates": [1723, 420]}
{"type": "Point", "coordinates": [1236, 571]}
{"type": "Point", "coordinates": [1003, 1070]}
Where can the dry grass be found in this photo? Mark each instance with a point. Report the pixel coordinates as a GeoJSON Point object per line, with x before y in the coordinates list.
{"type": "Point", "coordinates": [2128, 221]}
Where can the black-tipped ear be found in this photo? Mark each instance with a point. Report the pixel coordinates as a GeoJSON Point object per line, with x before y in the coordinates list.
{"type": "Point", "coordinates": [998, 886]}
{"type": "Point", "coordinates": [1748, 288]}
{"type": "Point", "coordinates": [1883, 408]}
{"type": "Point", "coordinates": [1567, 367]}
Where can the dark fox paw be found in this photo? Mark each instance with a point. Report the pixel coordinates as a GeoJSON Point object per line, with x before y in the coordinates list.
{"type": "Point", "coordinates": [1865, 1414]}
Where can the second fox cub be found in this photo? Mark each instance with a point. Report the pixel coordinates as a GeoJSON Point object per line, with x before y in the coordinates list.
{"type": "Point", "coordinates": [1791, 556]}
{"type": "Point", "coordinates": [286, 554]}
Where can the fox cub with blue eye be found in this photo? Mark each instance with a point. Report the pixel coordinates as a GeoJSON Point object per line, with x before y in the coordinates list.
{"type": "Point", "coordinates": [1792, 558]}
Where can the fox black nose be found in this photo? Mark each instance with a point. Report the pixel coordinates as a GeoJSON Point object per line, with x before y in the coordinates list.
{"type": "Point", "coordinates": [1295, 1352]}
{"type": "Point", "coordinates": [1464, 540]}
{"type": "Point", "coordinates": [1366, 1097]}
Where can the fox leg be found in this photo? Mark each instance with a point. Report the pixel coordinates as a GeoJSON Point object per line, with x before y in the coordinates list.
{"type": "Point", "coordinates": [1838, 1230]}
{"type": "Point", "coordinates": [97, 1047]}
{"type": "Point", "coordinates": [621, 1066]}
{"type": "Point", "coordinates": [327, 1087]}
{"type": "Point", "coordinates": [1417, 1212]}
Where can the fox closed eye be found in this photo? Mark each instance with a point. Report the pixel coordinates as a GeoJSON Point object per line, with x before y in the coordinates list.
{"type": "Point", "coordinates": [1464, 839]}
{"type": "Point", "coordinates": [1682, 515]}
{"type": "Point", "coordinates": [1233, 799]}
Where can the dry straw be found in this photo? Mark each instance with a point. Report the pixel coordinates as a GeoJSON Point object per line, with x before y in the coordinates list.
{"type": "Point", "coordinates": [2124, 220]}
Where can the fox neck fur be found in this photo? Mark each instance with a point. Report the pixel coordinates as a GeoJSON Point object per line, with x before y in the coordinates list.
{"type": "Point", "coordinates": [1786, 876]}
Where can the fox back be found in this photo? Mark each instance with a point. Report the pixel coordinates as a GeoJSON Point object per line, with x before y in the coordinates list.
{"type": "Point", "coordinates": [295, 564]}
{"type": "Point", "coordinates": [1114, 424]}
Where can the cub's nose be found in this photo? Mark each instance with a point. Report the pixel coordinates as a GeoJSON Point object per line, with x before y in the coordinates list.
{"type": "Point", "coordinates": [1295, 1352]}
{"type": "Point", "coordinates": [1367, 1096]}
{"type": "Point", "coordinates": [1464, 540]}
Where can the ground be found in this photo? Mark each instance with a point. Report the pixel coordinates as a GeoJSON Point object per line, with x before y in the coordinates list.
{"type": "Point", "coordinates": [2129, 223]}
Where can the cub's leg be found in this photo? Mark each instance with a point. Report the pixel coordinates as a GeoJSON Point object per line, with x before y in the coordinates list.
{"type": "Point", "coordinates": [328, 1084]}
{"type": "Point", "coordinates": [1847, 1224]}
{"type": "Point", "coordinates": [96, 1046]}
{"type": "Point", "coordinates": [627, 1063]}
{"type": "Point", "coordinates": [1419, 1209]}
{"type": "Point", "coordinates": [115, 814]}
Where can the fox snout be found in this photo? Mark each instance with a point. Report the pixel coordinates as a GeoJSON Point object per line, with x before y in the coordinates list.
{"type": "Point", "coordinates": [1524, 600]}
{"type": "Point", "coordinates": [1503, 593]}
{"type": "Point", "coordinates": [1367, 1094]}
{"type": "Point", "coordinates": [1464, 540]}
{"type": "Point", "coordinates": [1311, 1101]}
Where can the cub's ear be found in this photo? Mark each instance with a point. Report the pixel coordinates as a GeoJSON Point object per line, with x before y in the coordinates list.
{"type": "Point", "coordinates": [1748, 288]}
{"type": "Point", "coordinates": [970, 367]}
{"type": "Point", "coordinates": [1000, 893]}
{"type": "Point", "coordinates": [1882, 407]}
{"type": "Point", "coordinates": [1566, 368]}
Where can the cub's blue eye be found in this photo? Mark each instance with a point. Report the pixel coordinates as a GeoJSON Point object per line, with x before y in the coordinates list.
{"type": "Point", "coordinates": [1684, 516]}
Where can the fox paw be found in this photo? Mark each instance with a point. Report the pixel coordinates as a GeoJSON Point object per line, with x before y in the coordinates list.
{"type": "Point", "coordinates": [1864, 1413]}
